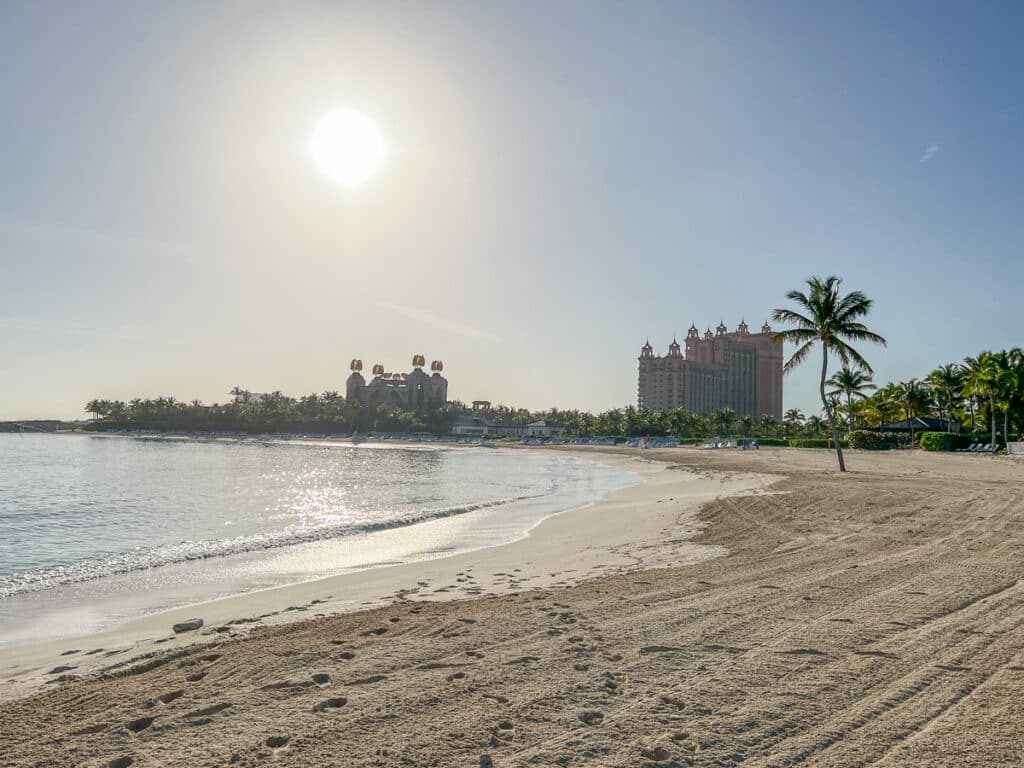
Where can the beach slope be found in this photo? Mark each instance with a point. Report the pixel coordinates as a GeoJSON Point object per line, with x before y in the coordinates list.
{"type": "Point", "coordinates": [873, 618]}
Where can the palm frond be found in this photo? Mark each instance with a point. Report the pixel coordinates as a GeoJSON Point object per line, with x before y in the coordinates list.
{"type": "Point", "coordinates": [798, 356]}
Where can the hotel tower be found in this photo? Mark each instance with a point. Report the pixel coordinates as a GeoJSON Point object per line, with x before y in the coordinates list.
{"type": "Point", "coordinates": [739, 370]}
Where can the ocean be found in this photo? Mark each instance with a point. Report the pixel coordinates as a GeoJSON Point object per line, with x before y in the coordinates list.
{"type": "Point", "coordinates": [97, 530]}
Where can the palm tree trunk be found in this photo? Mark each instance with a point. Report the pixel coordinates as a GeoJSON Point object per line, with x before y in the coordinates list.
{"type": "Point", "coordinates": [1006, 424]}
{"type": "Point", "coordinates": [828, 410]}
{"type": "Point", "coordinates": [992, 410]}
{"type": "Point", "coordinates": [849, 412]}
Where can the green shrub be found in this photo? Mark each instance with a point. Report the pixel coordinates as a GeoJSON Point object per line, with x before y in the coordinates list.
{"type": "Point", "coordinates": [815, 442]}
{"type": "Point", "coordinates": [939, 441]}
{"type": "Point", "coordinates": [873, 441]}
{"type": "Point", "coordinates": [771, 441]}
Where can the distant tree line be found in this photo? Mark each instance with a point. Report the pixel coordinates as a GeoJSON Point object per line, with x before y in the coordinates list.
{"type": "Point", "coordinates": [984, 393]}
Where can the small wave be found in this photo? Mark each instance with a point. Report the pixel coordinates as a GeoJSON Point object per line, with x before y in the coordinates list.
{"type": "Point", "coordinates": [139, 560]}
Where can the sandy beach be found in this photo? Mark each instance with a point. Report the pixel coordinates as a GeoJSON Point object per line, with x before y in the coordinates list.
{"type": "Point", "coordinates": [753, 608]}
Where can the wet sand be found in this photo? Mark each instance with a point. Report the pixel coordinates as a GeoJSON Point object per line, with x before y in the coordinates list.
{"type": "Point", "coordinates": [872, 618]}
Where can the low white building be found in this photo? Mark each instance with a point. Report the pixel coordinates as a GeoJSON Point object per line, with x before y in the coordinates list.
{"type": "Point", "coordinates": [472, 425]}
{"type": "Point", "coordinates": [544, 428]}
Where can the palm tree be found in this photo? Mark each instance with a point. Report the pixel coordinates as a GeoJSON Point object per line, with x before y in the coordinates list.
{"type": "Point", "coordinates": [850, 382]}
{"type": "Point", "coordinates": [827, 317]}
{"type": "Point", "coordinates": [816, 425]}
{"type": "Point", "coordinates": [793, 419]}
{"type": "Point", "coordinates": [723, 419]}
{"type": "Point", "coordinates": [981, 382]}
{"type": "Point", "coordinates": [768, 425]}
{"type": "Point", "coordinates": [746, 424]}
{"type": "Point", "coordinates": [915, 399]}
{"type": "Point", "coordinates": [947, 381]}
{"type": "Point", "coordinates": [1005, 369]}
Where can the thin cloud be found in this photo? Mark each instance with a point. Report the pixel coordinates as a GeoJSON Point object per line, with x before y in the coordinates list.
{"type": "Point", "coordinates": [441, 323]}
{"type": "Point", "coordinates": [930, 152]}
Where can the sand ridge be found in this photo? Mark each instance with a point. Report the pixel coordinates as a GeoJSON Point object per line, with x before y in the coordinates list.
{"type": "Point", "coordinates": [874, 618]}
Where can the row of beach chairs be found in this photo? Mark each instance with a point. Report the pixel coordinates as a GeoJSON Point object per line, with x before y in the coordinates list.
{"type": "Point", "coordinates": [978, 448]}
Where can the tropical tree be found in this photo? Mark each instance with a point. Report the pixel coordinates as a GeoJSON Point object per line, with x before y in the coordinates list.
{"type": "Point", "coordinates": [850, 382]}
{"type": "Point", "coordinates": [947, 381]}
{"type": "Point", "coordinates": [816, 425]}
{"type": "Point", "coordinates": [746, 424]}
{"type": "Point", "coordinates": [1005, 369]}
{"type": "Point", "coordinates": [915, 399]}
{"type": "Point", "coordinates": [768, 425]}
{"type": "Point", "coordinates": [723, 419]}
{"type": "Point", "coordinates": [982, 382]}
{"type": "Point", "coordinates": [825, 316]}
{"type": "Point", "coordinates": [793, 421]}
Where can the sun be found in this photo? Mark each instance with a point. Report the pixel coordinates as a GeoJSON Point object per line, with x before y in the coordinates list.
{"type": "Point", "coordinates": [348, 147]}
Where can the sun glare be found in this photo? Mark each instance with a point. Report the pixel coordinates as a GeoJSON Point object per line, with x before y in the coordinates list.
{"type": "Point", "coordinates": [348, 147]}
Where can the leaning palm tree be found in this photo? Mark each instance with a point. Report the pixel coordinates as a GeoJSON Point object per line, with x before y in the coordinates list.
{"type": "Point", "coordinates": [850, 382]}
{"type": "Point", "coordinates": [824, 315]}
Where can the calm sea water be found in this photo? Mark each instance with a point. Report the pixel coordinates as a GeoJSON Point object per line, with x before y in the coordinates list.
{"type": "Point", "coordinates": [88, 521]}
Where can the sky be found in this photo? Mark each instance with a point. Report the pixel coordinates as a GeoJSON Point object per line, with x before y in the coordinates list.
{"type": "Point", "coordinates": [564, 181]}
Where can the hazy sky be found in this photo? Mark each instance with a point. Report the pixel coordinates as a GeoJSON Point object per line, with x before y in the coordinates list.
{"type": "Point", "coordinates": [565, 179]}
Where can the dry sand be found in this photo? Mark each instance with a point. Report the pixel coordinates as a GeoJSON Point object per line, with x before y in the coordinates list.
{"type": "Point", "coordinates": [872, 618]}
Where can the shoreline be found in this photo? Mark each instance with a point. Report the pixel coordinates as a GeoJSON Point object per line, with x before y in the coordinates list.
{"type": "Point", "coordinates": [550, 554]}
{"type": "Point", "coordinates": [866, 618]}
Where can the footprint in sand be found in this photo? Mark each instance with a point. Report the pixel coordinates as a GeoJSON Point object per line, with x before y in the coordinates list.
{"type": "Point", "coordinates": [121, 762]}
{"type": "Point", "coordinates": [136, 726]}
{"type": "Point", "coordinates": [368, 680]}
{"type": "Point", "coordinates": [321, 678]}
{"type": "Point", "coordinates": [72, 651]}
{"type": "Point", "coordinates": [278, 743]}
{"type": "Point", "coordinates": [328, 704]}
{"type": "Point", "coordinates": [167, 698]}
{"type": "Point", "coordinates": [377, 631]}
{"type": "Point", "coordinates": [195, 678]}
{"type": "Point", "coordinates": [60, 670]}
{"type": "Point", "coordinates": [591, 716]}
{"type": "Point", "coordinates": [456, 676]}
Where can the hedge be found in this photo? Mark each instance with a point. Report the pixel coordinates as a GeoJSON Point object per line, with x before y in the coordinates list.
{"type": "Point", "coordinates": [817, 442]}
{"type": "Point", "coordinates": [873, 441]}
{"type": "Point", "coordinates": [939, 441]}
